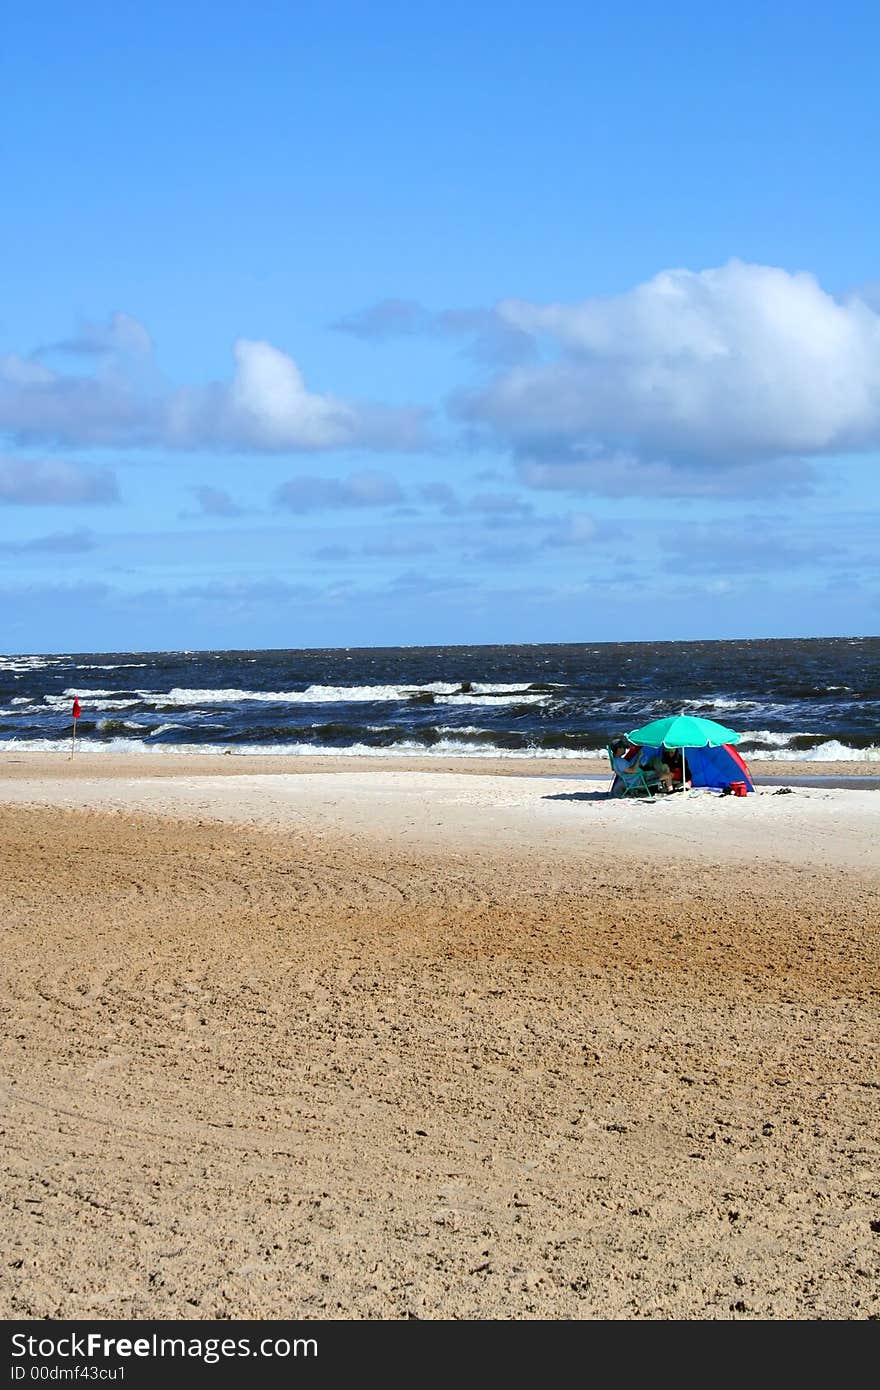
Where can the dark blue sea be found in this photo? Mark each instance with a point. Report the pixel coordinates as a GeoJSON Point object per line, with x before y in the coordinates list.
{"type": "Point", "coordinates": [816, 700]}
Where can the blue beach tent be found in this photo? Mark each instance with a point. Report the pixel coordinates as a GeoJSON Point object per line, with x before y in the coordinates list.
{"type": "Point", "coordinates": [713, 767]}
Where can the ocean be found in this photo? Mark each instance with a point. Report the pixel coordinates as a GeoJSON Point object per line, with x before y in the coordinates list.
{"type": "Point", "coordinates": [815, 700]}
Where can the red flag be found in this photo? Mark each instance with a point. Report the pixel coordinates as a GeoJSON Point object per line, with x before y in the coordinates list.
{"type": "Point", "coordinates": [76, 709]}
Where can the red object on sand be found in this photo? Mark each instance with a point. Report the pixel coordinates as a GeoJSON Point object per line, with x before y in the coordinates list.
{"type": "Point", "coordinates": [76, 709]}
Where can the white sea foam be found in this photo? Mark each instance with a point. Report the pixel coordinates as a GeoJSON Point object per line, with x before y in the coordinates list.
{"type": "Point", "coordinates": [29, 663]}
{"type": "Point", "coordinates": [829, 752]}
{"type": "Point", "coordinates": [719, 702]}
{"type": "Point", "coordinates": [95, 700]}
{"type": "Point", "coordinates": [80, 692]}
{"type": "Point", "coordinates": [409, 748]}
{"type": "Point", "coordinates": [90, 745]}
{"type": "Point", "coordinates": [443, 692]}
{"type": "Point", "coordinates": [724, 708]}
{"type": "Point", "coordinates": [87, 692]}
{"type": "Point", "coordinates": [775, 739]}
{"type": "Point", "coordinates": [533, 698]}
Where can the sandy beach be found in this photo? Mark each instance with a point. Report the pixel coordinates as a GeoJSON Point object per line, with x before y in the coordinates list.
{"type": "Point", "coordinates": [369, 1038]}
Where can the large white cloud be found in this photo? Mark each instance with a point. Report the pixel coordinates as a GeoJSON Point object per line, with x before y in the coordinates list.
{"type": "Point", "coordinates": [711, 369]}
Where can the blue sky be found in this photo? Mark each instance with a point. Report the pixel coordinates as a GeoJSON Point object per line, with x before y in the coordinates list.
{"type": "Point", "coordinates": [345, 324]}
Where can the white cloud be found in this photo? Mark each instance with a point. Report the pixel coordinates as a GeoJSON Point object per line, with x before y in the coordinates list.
{"type": "Point", "coordinates": [269, 403]}
{"type": "Point", "coordinates": [265, 406]}
{"type": "Point", "coordinates": [693, 370]}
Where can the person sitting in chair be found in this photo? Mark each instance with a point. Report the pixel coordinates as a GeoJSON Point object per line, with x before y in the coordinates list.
{"type": "Point", "coordinates": [672, 760]}
{"type": "Point", "coordinates": [655, 770]}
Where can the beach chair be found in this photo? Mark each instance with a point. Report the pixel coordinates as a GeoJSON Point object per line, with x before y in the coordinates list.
{"type": "Point", "coordinates": [635, 783]}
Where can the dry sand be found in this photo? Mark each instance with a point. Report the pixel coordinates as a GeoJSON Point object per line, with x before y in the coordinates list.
{"type": "Point", "coordinates": [375, 1042]}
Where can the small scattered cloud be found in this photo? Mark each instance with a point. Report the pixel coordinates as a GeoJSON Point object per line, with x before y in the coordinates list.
{"type": "Point", "coordinates": [332, 554]}
{"type": "Point", "coordinates": [578, 471]}
{"type": "Point", "coordinates": [751, 548]}
{"type": "Point", "coordinates": [501, 553]}
{"type": "Point", "coordinates": [490, 504]}
{"type": "Point", "coordinates": [242, 593]}
{"type": "Point", "coordinates": [64, 597]}
{"type": "Point", "coordinates": [415, 582]}
{"type": "Point", "coordinates": [399, 546]}
{"type": "Point", "coordinates": [489, 337]}
{"type": "Point", "coordinates": [498, 504]}
{"type": "Point", "coordinates": [216, 502]}
{"type": "Point", "coordinates": [54, 483]}
{"type": "Point", "coordinates": [578, 531]}
{"type": "Point", "coordinates": [366, 489]}
{"type": "Point", "coordinates": [389, 318]}
{"type": "Point", "coordinates": [61, 543]}
{"type": "Point", "coordinates": [122, 335]}
{"type": "Point", "coordinates": [486, 334]}
{"type": "Point", "coordinates": [441, 495]}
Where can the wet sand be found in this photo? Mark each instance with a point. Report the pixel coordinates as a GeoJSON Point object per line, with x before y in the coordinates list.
{"type": "Point", "coordinates": [384, 1042]}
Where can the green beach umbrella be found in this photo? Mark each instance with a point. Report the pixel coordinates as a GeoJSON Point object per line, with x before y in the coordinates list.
{"type": "Point", "coordinates": [683, 731]}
